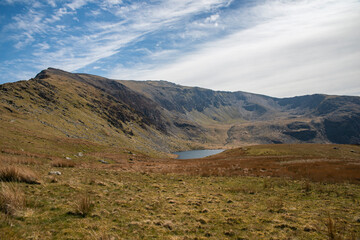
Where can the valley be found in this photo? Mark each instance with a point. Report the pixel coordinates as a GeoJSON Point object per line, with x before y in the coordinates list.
{"type": "Point", "coordinates": [86, 157]}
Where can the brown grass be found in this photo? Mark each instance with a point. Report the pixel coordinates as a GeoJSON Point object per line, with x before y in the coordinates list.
{"type": "Point", "coordinates": [12, 199]}
{"type": "Point", "coordinates": [84, 206]}
{"type": "Point", "coordinates": [307, 162]}
{"type": "Point", "coordinates": [17, 174]}
{"type": "Point", "coordinates": [331, 229]}
{"type": "Point", "coordinates": [13, 152]}
{"type": "Point", "coordinates": [19, 160]}
{"type": "Point", "coordinates": [63, 163]}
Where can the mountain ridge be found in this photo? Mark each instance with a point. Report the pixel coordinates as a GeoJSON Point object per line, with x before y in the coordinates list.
{"type": "Point", "coordinates": [160, 116]}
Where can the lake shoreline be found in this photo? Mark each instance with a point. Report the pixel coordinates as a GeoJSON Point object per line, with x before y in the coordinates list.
{"type": "Point", "coordinates": [194, 154]}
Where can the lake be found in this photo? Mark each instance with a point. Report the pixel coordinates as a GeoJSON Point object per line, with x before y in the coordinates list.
{"type": "Point", "coordinates": [197, 153]}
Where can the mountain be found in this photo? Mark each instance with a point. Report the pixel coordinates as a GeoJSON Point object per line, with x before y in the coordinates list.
{"type": "Point", "coordinates": [243, 118]}
{"type": "Point", "coordinates": [159, 116]}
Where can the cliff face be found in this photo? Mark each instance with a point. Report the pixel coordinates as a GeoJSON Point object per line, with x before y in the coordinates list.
{"type": "Point", "coordinates": [162, 116]}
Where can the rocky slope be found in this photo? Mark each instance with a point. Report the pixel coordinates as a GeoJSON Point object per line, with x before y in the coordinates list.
{"type": "Point", "coordinates": [251, 118]}
{"type": "Point", "coordinates": [151, 116]}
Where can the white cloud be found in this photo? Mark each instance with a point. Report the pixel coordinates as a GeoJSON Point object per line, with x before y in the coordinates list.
{"type": "Point", "coordinates": [75, 4]}
{"type": "Point", "coordinates": [29, 25]}
{"type": "Point", "coordinates": [52, 3]}
{"type": "Point", "coordinates": [300, 47]}
{"type": "Point", "coordinates": [43, 46]}
{"type": "Point", "coordinates": [108, 38]}
{"type": "Point", "coordinates": [111, 3]}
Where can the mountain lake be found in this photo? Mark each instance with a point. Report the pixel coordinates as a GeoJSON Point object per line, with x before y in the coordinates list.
{"type": "Point", "coordinates": [197, 153]}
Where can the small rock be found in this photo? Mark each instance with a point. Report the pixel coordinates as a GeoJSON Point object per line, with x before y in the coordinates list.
{"type": "Point", "coordinates": [67, 158]}
{"type": "Point", "coordinates": [54, 173]}
{"type": "Point", "coordinates": [103, 161]}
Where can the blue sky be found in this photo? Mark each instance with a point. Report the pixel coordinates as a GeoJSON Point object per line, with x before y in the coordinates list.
{"type": "Point", "coordinates": [279, 48]}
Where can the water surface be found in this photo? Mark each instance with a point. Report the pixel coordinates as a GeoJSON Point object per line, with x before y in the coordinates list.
{"type": "Point", "coordinates": [197, 153]}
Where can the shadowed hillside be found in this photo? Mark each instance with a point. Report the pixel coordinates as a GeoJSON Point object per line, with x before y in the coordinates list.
{"type": "Point", "coordinates": [243, 118]}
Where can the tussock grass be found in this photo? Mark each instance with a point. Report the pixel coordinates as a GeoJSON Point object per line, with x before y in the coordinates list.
{"type": "Point", "coordinates": [12, 199]}
{"type": "Point", "coordinates": [17, 174]}
{"type": "Point", "coordinates": [63, 163]}
{"type": "Point", "coordinates": [84, 206]}
{"type": "Point", "coordinates": [19, 160]}
{"type": "Point", "coordinates": [331, 228]}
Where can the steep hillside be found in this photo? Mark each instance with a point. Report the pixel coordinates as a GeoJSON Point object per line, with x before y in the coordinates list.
{"type": "Point", "coordinates": [158, 116]}
{"type": "Point", "coordinates": [245, 118]}
{"type": "Point", "coordinates": [57, 104]}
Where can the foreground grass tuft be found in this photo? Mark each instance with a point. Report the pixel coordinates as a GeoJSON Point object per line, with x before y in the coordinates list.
{"type": "Point", "coordinates": [18, 174]}
{"type": "Point", "coordinates": [84, 206]}
{"type": "Point", "coordinates": [12, 199]}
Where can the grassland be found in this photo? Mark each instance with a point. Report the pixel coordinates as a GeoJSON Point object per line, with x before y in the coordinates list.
{"type": "Point", "coordinates": [133, 196]}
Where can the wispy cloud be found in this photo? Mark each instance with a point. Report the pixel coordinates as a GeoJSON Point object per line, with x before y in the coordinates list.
{"type": "Point", "coordinates": [299, 47]}
{"type": "Point", "coordinates": [280, 48]}
{"type": "Point", "coordinates": [104, 39]}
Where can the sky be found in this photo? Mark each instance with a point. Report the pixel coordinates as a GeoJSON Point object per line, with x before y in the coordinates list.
{"type": "Point", "coordinates": [280, 48]}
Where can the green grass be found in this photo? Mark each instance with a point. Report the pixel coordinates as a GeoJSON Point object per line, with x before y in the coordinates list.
{"type": "Point", "coordinates": [131, 205]}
